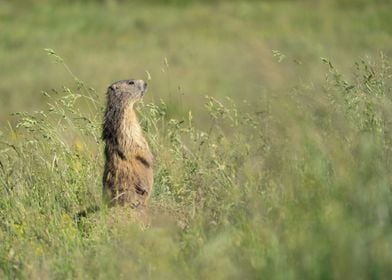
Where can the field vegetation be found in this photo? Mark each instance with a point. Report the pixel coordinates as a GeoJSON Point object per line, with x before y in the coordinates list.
{"type": "Point", "coordinates": [270, 122]}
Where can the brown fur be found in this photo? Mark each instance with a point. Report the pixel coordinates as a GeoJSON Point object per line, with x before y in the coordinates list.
{"type": "Point", "coordinates": [128, 174]}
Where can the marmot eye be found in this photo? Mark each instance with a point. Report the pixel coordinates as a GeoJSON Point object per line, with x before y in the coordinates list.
{"type": "Point", "coordinates": [131, 83]}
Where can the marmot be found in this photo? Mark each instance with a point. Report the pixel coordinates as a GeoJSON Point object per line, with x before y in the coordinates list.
{"type": "Point", "coordinates": [128, 174]}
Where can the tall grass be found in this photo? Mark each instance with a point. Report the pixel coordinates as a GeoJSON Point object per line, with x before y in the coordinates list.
{"type": "Point", "coordinates": [298, 189]}
{"type": "Point", "coordinates": [218, 49]}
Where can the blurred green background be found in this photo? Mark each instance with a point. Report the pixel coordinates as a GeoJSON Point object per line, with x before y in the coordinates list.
{"type": "Point", "coordinates": [288, 178]}
{"type": "Point", "coordinates": [216, 48]}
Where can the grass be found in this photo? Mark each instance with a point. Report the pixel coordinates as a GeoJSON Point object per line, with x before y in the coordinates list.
{"type": "Point", "coordinates": [288, 180]}
{"type": "Point", "coordinates": [212, 49]}
{"type": "Point", "coordinates": [296, 190]}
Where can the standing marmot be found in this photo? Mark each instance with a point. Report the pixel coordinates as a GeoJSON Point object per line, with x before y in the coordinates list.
{"type": "Point", "coordinates": [128, 175]}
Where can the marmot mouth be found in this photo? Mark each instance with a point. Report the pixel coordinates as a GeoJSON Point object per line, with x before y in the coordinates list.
{"type": "Point", "coordinates": [144, 88]}
{"type": "Point", "coordinates": [143, 92]}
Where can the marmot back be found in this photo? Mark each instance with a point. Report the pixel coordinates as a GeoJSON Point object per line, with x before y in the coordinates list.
{"type": "Point", "coordinates": [128, 174]}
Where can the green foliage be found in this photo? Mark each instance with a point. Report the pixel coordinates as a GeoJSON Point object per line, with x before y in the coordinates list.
{"type": "Point", "coordinates": [218, 49]}
{"type": "Point", "coordinates": [298, 189]}
{"type": "Point", "coordinates": [268, 163]}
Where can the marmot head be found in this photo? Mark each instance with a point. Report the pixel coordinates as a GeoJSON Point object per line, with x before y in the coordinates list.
{"type": "Point", "coordinates": [128, 91]}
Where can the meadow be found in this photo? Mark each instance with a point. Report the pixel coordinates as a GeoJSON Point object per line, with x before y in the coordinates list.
{"type": "Point", "coordinates": [270, 123]}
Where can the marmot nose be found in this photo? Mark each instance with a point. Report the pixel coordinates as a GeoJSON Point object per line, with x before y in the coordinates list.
{"type": "Point", "coordinates": [142, 85]}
